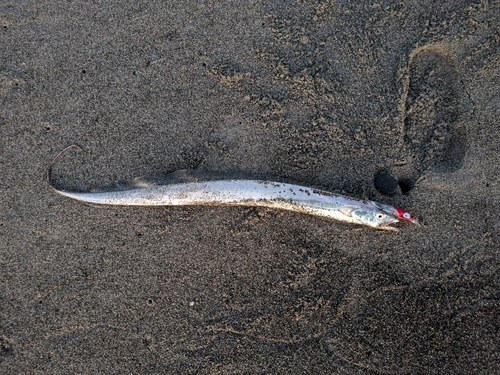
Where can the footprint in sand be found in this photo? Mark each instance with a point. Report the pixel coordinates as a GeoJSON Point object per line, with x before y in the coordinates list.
{"type": "Point", "coordinates": [434, 131]}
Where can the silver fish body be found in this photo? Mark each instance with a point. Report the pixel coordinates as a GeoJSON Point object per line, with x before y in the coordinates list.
{"type": "Point", "coordinates": [249, 193]}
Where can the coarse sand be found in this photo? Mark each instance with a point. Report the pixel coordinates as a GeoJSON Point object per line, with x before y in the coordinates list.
{"type": "Point", "coordinates": [326, 94]}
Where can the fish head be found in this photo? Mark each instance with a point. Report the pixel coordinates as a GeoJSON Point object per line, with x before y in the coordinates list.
{"type": "Point", "coordinates": [396, 214]}
{"type": "Point", "coordinates": [375, 217]}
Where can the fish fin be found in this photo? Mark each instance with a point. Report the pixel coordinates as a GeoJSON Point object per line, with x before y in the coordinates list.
{"type": "Point", "coordinates": [177, 177]}
{"type": "Point", "coordinates": [140, 182]}
{"type": "Point", "coordinates": [187, 175]}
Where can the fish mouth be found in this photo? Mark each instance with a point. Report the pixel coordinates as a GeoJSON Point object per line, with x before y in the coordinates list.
{"type": "Point", "coordinates": [388, 225]}
{"type": "Point", "coordinates": [416, 222]}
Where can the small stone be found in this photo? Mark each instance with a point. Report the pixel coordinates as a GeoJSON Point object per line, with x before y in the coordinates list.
{"type": "Point", "coordinates": [386, 183]}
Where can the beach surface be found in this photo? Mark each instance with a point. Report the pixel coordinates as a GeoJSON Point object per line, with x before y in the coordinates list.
{"type": "Point", "coordinates": [325, 94]}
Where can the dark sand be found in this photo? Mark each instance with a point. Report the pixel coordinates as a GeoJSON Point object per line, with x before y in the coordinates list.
{"type": "Point", "coordinates": [323, 93]}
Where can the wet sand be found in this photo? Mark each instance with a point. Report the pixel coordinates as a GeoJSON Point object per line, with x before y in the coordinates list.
{"type": "Point", "coordinates": [324, 94]}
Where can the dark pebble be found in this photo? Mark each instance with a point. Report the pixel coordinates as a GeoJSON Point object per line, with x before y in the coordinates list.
{"type": "Point", "coordinates": [386, 183]}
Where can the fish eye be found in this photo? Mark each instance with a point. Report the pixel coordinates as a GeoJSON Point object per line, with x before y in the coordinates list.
{"type": "Point", "coordinates": [380, 216]}
{"type": "Point", "coordinates": [406, 215]}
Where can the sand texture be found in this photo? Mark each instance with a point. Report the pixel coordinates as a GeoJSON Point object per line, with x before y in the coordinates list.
{"type": "Point", "coordinates": [321, 93]}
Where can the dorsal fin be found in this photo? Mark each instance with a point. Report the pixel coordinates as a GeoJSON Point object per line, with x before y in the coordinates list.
{"type": "Point", "coordinates": [188, 175]}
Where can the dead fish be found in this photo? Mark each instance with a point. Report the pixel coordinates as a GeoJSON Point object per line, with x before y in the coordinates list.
{"type": "Point", "coordinates": [276, 195]}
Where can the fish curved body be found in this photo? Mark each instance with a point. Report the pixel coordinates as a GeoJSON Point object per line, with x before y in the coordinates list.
{"type": "Point", "coordinates": [251, 193]}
